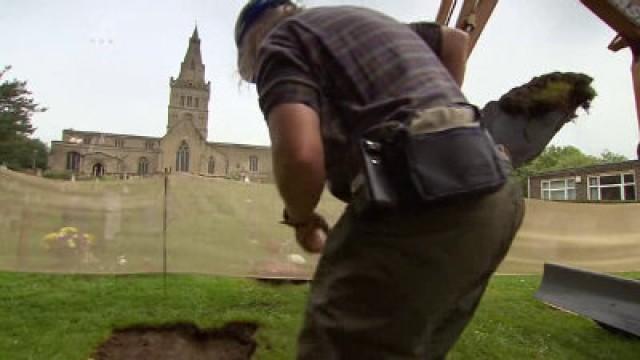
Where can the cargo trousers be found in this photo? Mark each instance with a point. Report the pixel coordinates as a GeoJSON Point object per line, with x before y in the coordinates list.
{"type": "Point", "coordinates": [405, 285]}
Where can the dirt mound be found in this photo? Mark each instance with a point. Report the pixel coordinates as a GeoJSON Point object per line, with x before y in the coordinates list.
{"type": "Point", "coordinates": [557, 91]}
{"type": "Point", "coordinates": [180, 341]}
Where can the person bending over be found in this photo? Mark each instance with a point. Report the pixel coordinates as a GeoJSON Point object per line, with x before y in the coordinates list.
{"type": "Point", "coordinates": [394, 282]}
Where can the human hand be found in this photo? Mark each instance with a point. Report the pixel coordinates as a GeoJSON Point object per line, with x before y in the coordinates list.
{"type": "Point", "coordinates": [311, 235]}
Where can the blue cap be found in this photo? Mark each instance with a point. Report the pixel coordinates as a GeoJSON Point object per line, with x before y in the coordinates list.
{"type": "Point", "coordinates": [251, 13]}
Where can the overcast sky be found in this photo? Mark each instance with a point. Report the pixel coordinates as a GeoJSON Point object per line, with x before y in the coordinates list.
{"type": "Point", "coordinates": [105, 65]}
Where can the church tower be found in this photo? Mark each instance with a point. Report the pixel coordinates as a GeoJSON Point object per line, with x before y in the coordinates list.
{"type": "Point", "coordinates": [189, 99]}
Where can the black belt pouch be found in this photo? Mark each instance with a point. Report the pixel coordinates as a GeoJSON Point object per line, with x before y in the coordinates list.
{"type": "Point", "coordinates": [449, 164]}
{"type": "Point", "coordinates": [405, 171]}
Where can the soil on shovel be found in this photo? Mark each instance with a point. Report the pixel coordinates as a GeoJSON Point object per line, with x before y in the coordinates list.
{"type": "Point", "coordinates": [180, 341]}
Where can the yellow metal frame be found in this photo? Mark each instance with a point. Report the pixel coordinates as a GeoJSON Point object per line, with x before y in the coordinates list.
{"type": "Point", "coordinates": [625, 20]}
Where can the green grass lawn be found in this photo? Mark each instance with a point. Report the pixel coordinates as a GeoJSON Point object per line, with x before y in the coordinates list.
{"type": "Point", "coordinates": [66, 316]}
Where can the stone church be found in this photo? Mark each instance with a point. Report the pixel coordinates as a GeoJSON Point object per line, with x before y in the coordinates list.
{"type": "Point", "coordinates": [184, 147]}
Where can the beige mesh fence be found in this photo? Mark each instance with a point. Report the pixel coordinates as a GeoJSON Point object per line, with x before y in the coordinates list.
{"type": "Point", "coordinates": [224, 227]}
{"type": "Point", "coordinates": [599, 237]}
{"type": "Point", "coordinates": [88, 226]}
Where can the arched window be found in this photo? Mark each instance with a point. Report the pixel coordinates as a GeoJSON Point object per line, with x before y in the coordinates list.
{"type": "Point", "coordinates": [212, 165]}
{"type": "Point", "coordinates": [143, 166]}
{"type": "Point", "coordinates": [73, 161]}
{"type": "Point", "coordinates": [182, 158]}
{"type": "Point", "coordinates": [97, 170]}
{"type": "Point", "coordinates": [253, 163]}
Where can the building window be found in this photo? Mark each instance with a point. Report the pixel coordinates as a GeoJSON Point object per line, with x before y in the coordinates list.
{"type": "Point", "coordinates": [612, 187]}
{"type": "Point", "coordinates": [149, 145]}
{"type": "Point", "coordinates": [197, 102]}
{"type": "Point", "coordinates": [189, 98]}
{"type": "Point", "coordinates": [253, 163]}
{"type": "Point", "coordinates": [87, 140]}
{"type": "Point", "coordinates": [143, 166]}
{"type": "Point", "coordinates": [97, 170]}
{"type": "Point", "coordinates": [212, 165]}
{"type": "Point", "coordinates": [182, 100]}
{"type": "Point", "coordinates": [559, 189]}
{"type": "Point", "coordinates": [182, 158]}
{"type": "Point", "coordinates": [119, 143]}
{"type": "Point", "coordinates": [73, 161]}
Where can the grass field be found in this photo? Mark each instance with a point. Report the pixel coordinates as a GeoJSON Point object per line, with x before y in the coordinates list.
{"type": "Point", "coordinates": [66, 316]}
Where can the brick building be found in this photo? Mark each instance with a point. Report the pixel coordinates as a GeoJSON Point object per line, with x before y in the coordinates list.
{"type": "Point", "coordinates": [605, 182]}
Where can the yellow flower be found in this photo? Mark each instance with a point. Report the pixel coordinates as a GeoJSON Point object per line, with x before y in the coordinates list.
{"type": "Point", "coordinates": [50, 237]}
{"type": "Point", "coordinates": [68, 230]}
{"type": "Point", "coordinates": [71, 243]}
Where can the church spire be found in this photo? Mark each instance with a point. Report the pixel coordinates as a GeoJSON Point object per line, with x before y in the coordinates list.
{"type": "Point", "coordinates": [192, 69]}
{"type": "Point", "coordinates": [195, 34]}
{"type": "Point", "coordinates": [190, 92]}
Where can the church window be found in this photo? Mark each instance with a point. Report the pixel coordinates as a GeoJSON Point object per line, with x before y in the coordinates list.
{"type": "Point", "coordinates": [253, 163]}
{"type": "Point", "coordinates": [212, 165]}
{"type": "Point", "coordinates": [143, 166]}
{"type": "Point", "coordinates": [182, 100]}
{"type": "Point", "coordinates": [197, 102]}
{"type": "Point", "coordinates": [73, 161]}
{"type": "Point", "coordinates": [189, 100]}
{"type": "Point", "coordinates": [182, 158]}
{"type": "Point", "coordinates": [119, 143]}
{"type": "Point", "coordinates": [97, 170]}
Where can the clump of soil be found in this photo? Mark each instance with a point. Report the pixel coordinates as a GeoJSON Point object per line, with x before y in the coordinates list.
{"type": "Point", "coordinates": [557, 91]}
{"type": "Point", "coordinates": [180, 341]}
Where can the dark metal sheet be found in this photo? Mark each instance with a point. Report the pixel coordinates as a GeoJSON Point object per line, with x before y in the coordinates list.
{"type": "Point", "coordinates": [607, 299]}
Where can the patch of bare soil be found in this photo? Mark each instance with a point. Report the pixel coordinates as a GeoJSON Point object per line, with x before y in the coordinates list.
{"type": "Point", "coordinates": [180, 342]}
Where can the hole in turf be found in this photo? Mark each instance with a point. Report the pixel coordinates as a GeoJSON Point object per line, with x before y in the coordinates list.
{"type": "Point", "coordinates": [234, 341]}
{"type": "Point", "coordinates": [283, 281]}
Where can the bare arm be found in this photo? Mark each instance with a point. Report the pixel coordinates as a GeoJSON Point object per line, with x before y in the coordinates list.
{"type": "Point", "coordinates": [455, 51]}
{"type": "Point", "coordinates": [449, 44]}
{"type": "Point", "coordinates": [298, 158]}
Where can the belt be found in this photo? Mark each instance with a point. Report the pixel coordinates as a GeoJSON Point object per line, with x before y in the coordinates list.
{"type": "Point", "coordinates": [442, 118]}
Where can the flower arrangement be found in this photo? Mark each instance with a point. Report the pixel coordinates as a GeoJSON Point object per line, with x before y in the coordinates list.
{"type": "Point", "coordinates": [70, 242]}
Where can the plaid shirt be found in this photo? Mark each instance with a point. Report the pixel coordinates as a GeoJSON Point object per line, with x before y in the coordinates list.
{"type": "Point", "coordinates": [356, 68]}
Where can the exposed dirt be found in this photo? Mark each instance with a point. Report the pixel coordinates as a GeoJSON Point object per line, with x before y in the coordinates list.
{"type": "Point", "coordinates": [179, 342]}
{"type": "Point", "coordinates": [555, 91]}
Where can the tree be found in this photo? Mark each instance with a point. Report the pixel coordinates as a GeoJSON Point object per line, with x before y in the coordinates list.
{"type": "Point", "coordinates": [610, 157]}
{"type": "Point", "coordinates": [17, 149]}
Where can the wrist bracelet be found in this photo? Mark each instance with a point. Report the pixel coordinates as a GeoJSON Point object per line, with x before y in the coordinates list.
{"type": "Point", "coordinates": [286, 220]}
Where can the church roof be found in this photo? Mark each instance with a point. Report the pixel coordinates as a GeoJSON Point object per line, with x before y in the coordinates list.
{"type": "Point", "coordinates": [97, 133]}
{"type": "Point", "coordinates": [244, 146]}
